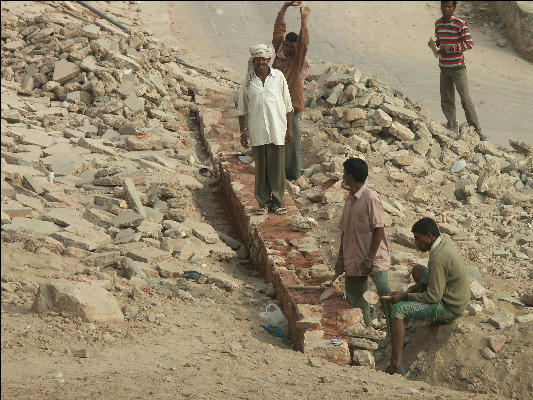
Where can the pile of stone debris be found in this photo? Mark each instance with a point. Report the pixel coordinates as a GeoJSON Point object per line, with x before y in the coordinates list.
{"type": "Point", "coordinates": [98, 155]}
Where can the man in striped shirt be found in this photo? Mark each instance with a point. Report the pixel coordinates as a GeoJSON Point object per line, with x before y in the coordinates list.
{"type": "Point", "coordinates": [453, 39]}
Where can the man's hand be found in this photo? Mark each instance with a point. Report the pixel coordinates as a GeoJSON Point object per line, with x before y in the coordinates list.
{"type": "Point", "coordinates": [291, 3]}
{"type": "Point", "coordinates": [398, 296]}
{"type": "Point", "coordinates": [446, 48]}
{"type": "Point", "coordinates": [244, 139]}
{"type": "Point", "coordinates": [304, 11]}
{"type": "Point", "coordinates": [366, 267]}
{"type": "Point", "coordinates": [289, 136]}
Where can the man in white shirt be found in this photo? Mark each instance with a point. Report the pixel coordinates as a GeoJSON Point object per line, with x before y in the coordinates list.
{"type": "Point", "coordinates": [265, 101]}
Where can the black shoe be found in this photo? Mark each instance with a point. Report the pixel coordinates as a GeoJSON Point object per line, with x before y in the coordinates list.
{"type": "Point", "coordinates": [482, 137]}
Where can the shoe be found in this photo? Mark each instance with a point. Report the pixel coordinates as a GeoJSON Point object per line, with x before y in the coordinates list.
{"type": "Point", "coordinates": [261, 211]}
{"type": "Point", "coordinates": [279, 210]}
{"type": "Point", "coordinates": [482, 137]}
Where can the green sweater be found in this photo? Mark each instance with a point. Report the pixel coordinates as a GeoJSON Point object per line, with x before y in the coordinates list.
{"type": "Point", "coordinates": [448, 279]}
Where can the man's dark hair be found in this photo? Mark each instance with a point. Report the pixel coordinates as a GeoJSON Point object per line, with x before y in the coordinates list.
{"type": "Point", "coordinates": [454, 3]}
{"type": "Point", "coordinates": [426, 225]}
{"type": "Point", "coordinates": [291, 37]}
{"type": "Point", "coordinates": [357, 168]}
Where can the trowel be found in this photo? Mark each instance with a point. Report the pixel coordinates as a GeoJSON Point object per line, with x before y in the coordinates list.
{"type": "Point", "coordinates": [327, 287]}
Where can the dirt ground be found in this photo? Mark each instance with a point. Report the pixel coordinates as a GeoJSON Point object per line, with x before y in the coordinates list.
{"type": "Point", "coordinates": [212, 345]}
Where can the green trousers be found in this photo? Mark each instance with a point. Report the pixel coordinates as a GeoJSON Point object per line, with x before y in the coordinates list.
{"type": "Point", "coordinates": [269, 175]}
{"type": "Point", "coordinates": [356, 286]}
{"type": "Point", "coordinates": [451, 79]}
{"type": "Point", "coordinates": [293, 151]}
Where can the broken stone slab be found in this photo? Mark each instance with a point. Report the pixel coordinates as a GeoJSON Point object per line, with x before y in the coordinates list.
{"type": "Point", "coordinates": [405, 238]}
{"type": "Point", "coordinates": [121, 62]}
{"type": "Point", "coordinates": [400, 131]}
{"type": "Point", "coordinates": [353, 316]}
{"type": "Point", "coordinates": [30, 201]}
{"type": "Point", "coordinates": [32, 136]}
{"type": "Point", "coordinates": [365, 332]}
{"type": "Point", "coordinates": [399, 112]}
{"type": "Point", "coordinates": [477, 290]}
{"type": "Point", "coordinates": [149, 230]}
{"type": "Point", "coordinates": [474, 308]}
{"type": "Point", "coordinates": [132, 197]}
{"type": "Point", "coordinates": [521, 147]}
{"type": "Point", "coordinates": [334, 95]}
{"type": "Point", "coordinates": [110, 202]}
{"type": "Point", "coordinates": [382, 118]}
{"type": "Point", "coordinates": [96, 146]}
{"type": "Point", "coordinates": [63, 216]}
{"type": "Point", "coordinates": [127, 219]}
{"type": "Point", "coordinates": [7, 190]}
{"type": "Point", "coordinates": [170, 269]}
{"type": "Point", "coordinates": [502, 320]}
{"type": "Point", "coordinates": [102, 260]}
{"type": "Point", "coordinates": [64, 71]}
{"type": "Point", "coordinates": [496, 342]}
{"type": "Point", "coordinates": [360, 343]}
{"type": "Point", "coordinates": [70, 239]}
{"type": "Point", "coordinates": [132, 268]}
{"type": "Point", "coordinates": [99, 217]}
{"type": "Point", "coordinates": [31, 184]}
{"type": "Point", "coordinates": [86, 300]}
{"type": "Point", "coordinates": [523, 319]}
{"type": "Point", "coordinates": [134, 103]}
{"type": "Point", "coordinates": [487, 353]}
{"type": "Point", "coordinates": [127, 236]}
{"type": "Point", "coordinates": [148, 255]}
{"type": "Point", "coordinates": [30, 225]}
{"type": "Point", "coordinates": [314, 345]}
{"type": "Point", "coordinates": [234, 244]}
{"type": "Point", "coordinates": [6, 219]}
{"type": "Point", "coordinates": [202, 231]}
{"type": "Point", "coordinates": [364, 358]}
{"type": "Point", "coordinates": [15, 210]}
{"type": "Point", "coordinates": [91, 31]}
{"type": "Point", "coordinates": [147, 141]}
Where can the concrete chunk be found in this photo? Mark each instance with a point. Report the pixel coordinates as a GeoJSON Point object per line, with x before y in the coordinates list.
{"type": "Point", "coordinates": [86, 300]}
{"type": "Point", "coordinates": [132, 197]}
{"type": "Point", "coordinates": [30, 225]}
{"type": "Point", "coordinates": [64, 71]}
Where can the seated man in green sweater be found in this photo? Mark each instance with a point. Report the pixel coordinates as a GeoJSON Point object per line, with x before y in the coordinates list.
{"type": "Point", "coordinates": [447, 293]}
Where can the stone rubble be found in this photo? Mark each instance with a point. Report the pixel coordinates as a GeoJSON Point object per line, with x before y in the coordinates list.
{"type": "Point", "coordinates": [99, 160]}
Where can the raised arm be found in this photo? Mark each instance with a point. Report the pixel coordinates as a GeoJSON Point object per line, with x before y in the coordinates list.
{"type": "Point", "coordinates": [303, 38]}
{"type": "Point", "coordinates": [280, 27]}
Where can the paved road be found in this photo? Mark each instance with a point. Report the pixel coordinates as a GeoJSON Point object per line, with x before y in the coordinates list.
{"type": "Point", "coordinates": [385, 38]}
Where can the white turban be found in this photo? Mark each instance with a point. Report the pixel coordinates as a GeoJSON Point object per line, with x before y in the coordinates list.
{"type": "Point", "coordinates": [260, 50]}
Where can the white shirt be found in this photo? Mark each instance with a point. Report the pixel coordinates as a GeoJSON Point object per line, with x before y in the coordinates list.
{"type": "Point", "coordinates": [266, 108]}
{"type": "Point", "coordinates": [435, 244]}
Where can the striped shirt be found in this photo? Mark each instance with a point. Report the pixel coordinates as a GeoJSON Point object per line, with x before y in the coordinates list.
{"type": "Point", "coordinates": [456, 33]}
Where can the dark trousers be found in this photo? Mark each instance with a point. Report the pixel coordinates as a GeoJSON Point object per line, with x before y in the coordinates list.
{"type": "Point", "coordinates": [269, 175]}
{"type": "Point", "coordinates": [451, 79]}
{"type": "Point", "coordinates": [293, 151]}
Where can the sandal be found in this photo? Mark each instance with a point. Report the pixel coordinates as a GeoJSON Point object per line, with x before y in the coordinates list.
{"type": "Point", "coordinates": [280, 210]}
{"type": "Point", "coordinates": [261, 211]}
{"type": "Point", "coordinates": [399, 370]}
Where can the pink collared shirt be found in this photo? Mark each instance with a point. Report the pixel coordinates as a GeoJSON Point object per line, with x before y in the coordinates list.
{"type": "Point", "coordinates": [362, 213]}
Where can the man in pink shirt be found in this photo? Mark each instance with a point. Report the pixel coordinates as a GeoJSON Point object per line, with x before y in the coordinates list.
{"type": "Point", "coordinates": [364, 248]}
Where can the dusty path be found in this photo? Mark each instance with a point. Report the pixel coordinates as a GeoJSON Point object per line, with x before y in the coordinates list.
{"type": "Point", "coordinates": [385, 38]}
